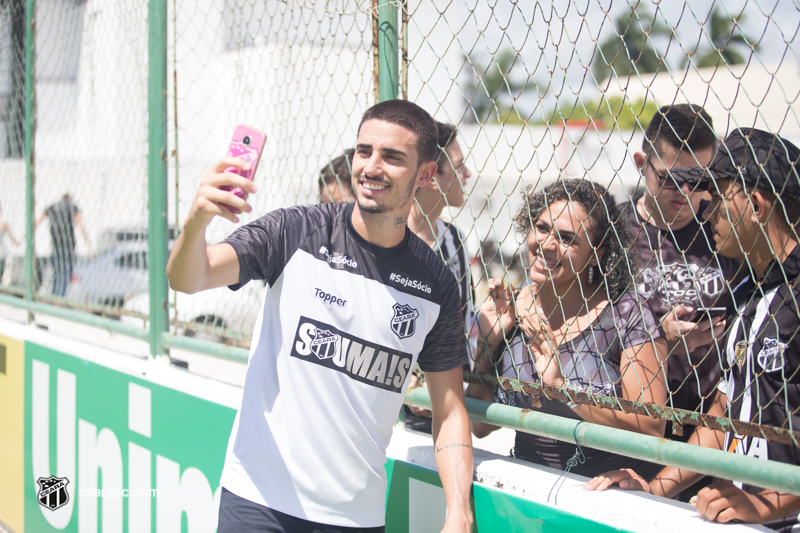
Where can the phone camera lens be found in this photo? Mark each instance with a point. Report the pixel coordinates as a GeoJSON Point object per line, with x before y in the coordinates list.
{"type": "Point", "coordinates": [246, 139]}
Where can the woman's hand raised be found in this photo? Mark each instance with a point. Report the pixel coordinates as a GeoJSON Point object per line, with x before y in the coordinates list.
{"type": "Point", "coordinates": [542, 344]}
{"type": "Point", "coordinates": [497, 315]}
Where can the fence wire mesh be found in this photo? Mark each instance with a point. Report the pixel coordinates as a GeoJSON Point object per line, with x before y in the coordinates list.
{"type": "Point", "coordinates": [538, 92]}
{"type": "Point", "coordinates": [12, 134]}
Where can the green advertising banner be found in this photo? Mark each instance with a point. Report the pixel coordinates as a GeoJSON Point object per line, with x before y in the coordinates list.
{"type": "Point", "coordinates": [111, 452]}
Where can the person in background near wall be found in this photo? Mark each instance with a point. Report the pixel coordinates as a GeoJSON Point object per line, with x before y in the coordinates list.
{"type": "Point", "coordinates": [576, 325]}
{"type": "Point", "coordinates": [355, 300]}
{"type": "Point", "coordinates": [754, 213]}
{"type": "Point", "coordinates": [446, 189]}
{"type": "Point", "coordinates": [63, 217]}
{"type": "Point", "coordinates": [5, 232]}
{"type": "Point", "coordinates": [334, 180]}
{"type": "Point", "coordinates": [680, 271]}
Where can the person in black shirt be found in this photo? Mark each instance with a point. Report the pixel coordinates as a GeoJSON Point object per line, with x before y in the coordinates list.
{"type": "Point", "coordinates": [755, 185]}
{"type": "Point", "coordinates": [679, 269]}
{"type": "Point", "coordinates": [63, 216]}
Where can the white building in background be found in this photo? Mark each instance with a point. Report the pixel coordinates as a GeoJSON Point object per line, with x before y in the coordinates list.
{"type": "Point", "coordinates": [754, 95]}
{"type": "Point", "coordinates": [508, 158]}
{"type": "Point", "coordinates": [261, 63]}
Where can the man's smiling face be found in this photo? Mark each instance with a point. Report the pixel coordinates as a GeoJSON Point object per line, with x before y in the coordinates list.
{"type": "Point", "coordinates": [385, 167]}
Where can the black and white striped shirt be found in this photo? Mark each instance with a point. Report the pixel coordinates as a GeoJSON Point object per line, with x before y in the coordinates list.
{"type": "Point", "coordinates": [761, 374]}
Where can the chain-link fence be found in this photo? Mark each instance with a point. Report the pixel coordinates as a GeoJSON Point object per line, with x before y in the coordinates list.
{"type": "Point", "coordinates": [12, 136]}
{"type": "Point", "coordinates": [90, 153]}
{"type": "Point", "coordinates": [538, 92]}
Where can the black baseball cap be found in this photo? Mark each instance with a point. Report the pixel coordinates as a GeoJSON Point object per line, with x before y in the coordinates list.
{"type": "Point", "coordinates": [755, 157]}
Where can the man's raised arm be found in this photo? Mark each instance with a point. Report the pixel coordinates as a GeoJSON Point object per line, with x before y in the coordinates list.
{"type": "Point", "coordinates": [193, 266]}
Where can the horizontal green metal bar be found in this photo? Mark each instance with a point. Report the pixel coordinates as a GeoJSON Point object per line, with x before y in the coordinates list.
{"type": "Point", "coordinates": [65, 313]}
{"type": "Point", "coordinates": [678, 417]}
{"type": "Point", "coordinates": [214, 349]}
{"type": "Point", "coordinates": [766, 474]}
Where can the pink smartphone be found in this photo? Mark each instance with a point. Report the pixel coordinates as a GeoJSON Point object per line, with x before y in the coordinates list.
{"type": "Point", "coordinates": [248, 144]}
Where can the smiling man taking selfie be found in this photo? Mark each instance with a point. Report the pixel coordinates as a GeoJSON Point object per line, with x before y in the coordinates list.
{"type": "Point", "coordinates": [354, 301]}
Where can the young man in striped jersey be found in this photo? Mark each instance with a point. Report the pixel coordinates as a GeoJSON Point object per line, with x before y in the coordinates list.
{"type": "Point", "coordinates": [446, 189]}
{"type": "Point", "coordinates": [754, 181]}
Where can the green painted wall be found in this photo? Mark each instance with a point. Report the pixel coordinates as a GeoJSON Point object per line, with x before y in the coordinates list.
{"type": "Point", "coordinates": [186, 443]}
{"type": "Point", "coordinates": [106, 430]}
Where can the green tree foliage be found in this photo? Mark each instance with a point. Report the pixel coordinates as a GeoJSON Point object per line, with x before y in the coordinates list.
{"type": "Point", "coordinates": [608, 113]}
{"type": "Point", "coordinates": [630, 48]}
{"type": "Point", "coordinates": [721, 36]}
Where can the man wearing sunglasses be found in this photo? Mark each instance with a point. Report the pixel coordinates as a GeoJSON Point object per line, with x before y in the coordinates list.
{"type": "Point", "coordinates": [679, 271]}
{"type": "Point", "coordinates": [754, 181]}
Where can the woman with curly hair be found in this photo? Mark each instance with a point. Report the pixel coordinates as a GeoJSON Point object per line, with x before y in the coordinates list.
{"type": "Point", "coordinates": [577, 325]}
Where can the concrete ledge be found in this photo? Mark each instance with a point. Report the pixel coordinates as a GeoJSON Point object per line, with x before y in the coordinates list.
{"type": "Point", "coordinates": [629, 511]}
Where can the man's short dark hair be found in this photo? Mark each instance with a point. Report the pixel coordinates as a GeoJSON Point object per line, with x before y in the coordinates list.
{"type": "Point", "coordinates": [338, 170]}
{"type": "Point", "coordinates": [681, 126]}
{"type": "Point", "coordinates": [412, 117]}
{"type": "Point", "coordinates": [447, 133]}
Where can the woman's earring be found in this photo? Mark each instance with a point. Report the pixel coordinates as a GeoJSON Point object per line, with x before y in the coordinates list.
{"type": "Point", "coordinates": [591, 274]}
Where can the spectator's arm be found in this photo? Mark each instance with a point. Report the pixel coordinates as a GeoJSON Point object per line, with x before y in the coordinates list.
{"type": "Point", "coordinates": [484, 365]}
{"type": "Point", "coordinates": [496, 319]}
{"type": "Point", "coordinates": [79, 222]}
{"type": "Point", "coordinates": [685, 335]}
{"type": "Point", "coordinates": [723, 501]}
{"type": "Point", "coordinates": [670, 480]}
{"type": "Point", "coordinates": [452, 445]}
{"type": "Point", "coordinates": [643, 379]}
{"type": "Point", "coordinates": [14, 241]}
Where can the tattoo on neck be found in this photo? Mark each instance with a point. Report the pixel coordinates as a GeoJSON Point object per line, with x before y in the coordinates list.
{"type": "Point", "coordinates": [400, 222]}
{"type": "Point", "coordinates": [457, 445]}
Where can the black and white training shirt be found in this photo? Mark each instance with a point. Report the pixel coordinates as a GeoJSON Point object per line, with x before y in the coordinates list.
{"type": "Point", "coordinates": [450, 246]}
{"type": "Point", "coordinates": [762, 350]}
{"type": "Point", "coordinates": [342, 325]}
{"type": "Point", "coordinates": [681, 266]}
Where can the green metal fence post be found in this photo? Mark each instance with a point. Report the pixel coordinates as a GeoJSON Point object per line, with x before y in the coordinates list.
{"type": "Point", "coordinates": [157, 172]}
{"type": "Point", "coordinates": [388, 46]}
{"type": "Point", "coordinates": [30, 122]}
